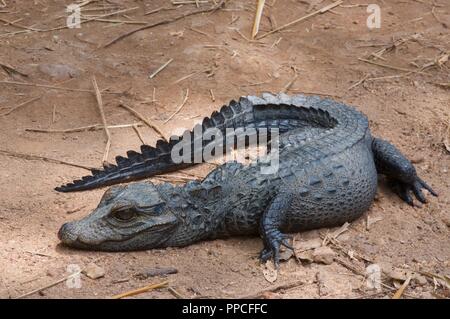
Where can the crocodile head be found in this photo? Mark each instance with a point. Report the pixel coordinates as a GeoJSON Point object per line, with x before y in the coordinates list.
{"type": "Point", "coordinates": [131, 217]}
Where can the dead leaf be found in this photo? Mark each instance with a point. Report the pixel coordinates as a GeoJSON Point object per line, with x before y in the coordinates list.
{"type": "Point", "coordinates": [305, 256]}
{"type": "Point", "coordinates": [286, 254]}
{"type": "Point", "coordinates": [270, 272]}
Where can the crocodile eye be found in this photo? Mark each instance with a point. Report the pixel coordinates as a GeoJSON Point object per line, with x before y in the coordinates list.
{"type": "Point", "coordinates": [157, 209]}
{"type": "Point", "coordinates": [124, 215]}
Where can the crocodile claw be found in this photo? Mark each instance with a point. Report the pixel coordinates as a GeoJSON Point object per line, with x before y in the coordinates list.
{"type": "Point", "coordinates": [272, 247]}
{"type": "Point", "coordinates": [406, 190]}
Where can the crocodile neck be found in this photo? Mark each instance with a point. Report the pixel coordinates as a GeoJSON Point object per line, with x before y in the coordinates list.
{"type": "Point", "coordinates": [192, 204]}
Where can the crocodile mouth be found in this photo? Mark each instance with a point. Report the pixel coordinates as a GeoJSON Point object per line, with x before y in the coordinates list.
{"type": "Point", "coordinates": [71, 239]}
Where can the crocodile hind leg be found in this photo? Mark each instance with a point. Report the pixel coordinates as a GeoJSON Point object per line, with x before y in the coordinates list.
{"type": "Point", "coordinates": [270, 224]}
{"type": "Point", "coordinates": [391, 162]}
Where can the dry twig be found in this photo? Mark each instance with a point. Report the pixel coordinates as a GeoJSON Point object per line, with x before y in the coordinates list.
{"type": "Point", "coordinates": [391, 66]}
{"type": "Point", "coordinates": [191, 75]}
{"type": "Point", "coordinates": [180, 107]}
{"type": "Point", "coordinates": [42, 158]}
{"type": "Point", "coordinates": [398, 294]}
{"type": "Point", "coordinates": [114, 21]}
{"type": "Point", "coordinates": [162, 67]}
{"type": "Point", "coordinates": [21, 105]}
{"type": "Point", "coordinates": [320, 11]}
{"type": "Point", "coordinates": [395, 76]}
{"type": "Point", "coordinates": [359, 82]}
{"type": "Point", "coordinates": [145, 120]}
{"type": "Point", "coordinates": [276, 42]}
{"type": "Point", "coordinates": [302, 91]}
{"type": "Point", "coordinates": [15, 24]}
{"type": "Point", "coordinates": [175, 293]}
{"type": "Point", "coordinates": [158, 10]}
{"type": "Point", "coordinates": [31, 29]}
{"type": "Point", "coordinates": [335, 234]}
{"type": "Point", "coordinates": [49, 285]}
{"type": "Point", "coordinates": [95, 127]}
{"type": "Point", "coordinates": [258, 15]}
{"type": "Point", "coordinates": [10, 70]}
{"type": "Point", "coordinates": [152, 25]}
{"type": "Point", "coordinates": [196, 2]}
{"type": "Point", "coordinates": [186, 77]}
{"type": "Point", "coordinates": [54, 87]}
{"type": "Point", "coordinates": [201, 32]}
{"type": "Point", "coordinates": [378, 54]}
{"type": "Point", "coordinates": [138, 133]}
{"type": "Point", "coordinates": [437, 18]}
{"type": "Point", "coordinates": [98, 96]}
{"type": "Point", "coordinates": [291, 82]}
{"type": "Point", "coordinates": [141, 290]}
{"type": "Point", "coordinates": [287, 286]}
{"type": "Point", "coordinates": [54, 113]}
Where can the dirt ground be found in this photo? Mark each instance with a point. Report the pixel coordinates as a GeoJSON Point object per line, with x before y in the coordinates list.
{"type": "Point", "coordinates": [410, 108]}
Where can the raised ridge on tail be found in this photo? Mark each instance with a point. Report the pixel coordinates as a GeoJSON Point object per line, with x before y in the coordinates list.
{"type": "Point", "coordinates": [157, 160]}
{"type": "Point", "coordinates": [154, 160]}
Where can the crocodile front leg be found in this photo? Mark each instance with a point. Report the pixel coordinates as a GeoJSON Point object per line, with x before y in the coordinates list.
{"type": "Point", "coordinates": [401, 172]}
{"type": "Point", "coordinates": [270, 224]}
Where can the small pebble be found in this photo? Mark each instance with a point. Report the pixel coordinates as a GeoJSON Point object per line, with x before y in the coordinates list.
{"type": "Point", "coordinates": [93, 271]}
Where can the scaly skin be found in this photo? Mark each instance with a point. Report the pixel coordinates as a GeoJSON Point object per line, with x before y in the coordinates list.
{"type": "Point", "coordinates": [328, 165]}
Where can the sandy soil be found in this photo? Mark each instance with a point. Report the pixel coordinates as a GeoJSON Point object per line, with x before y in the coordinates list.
{"type": "Point", "coordinates": [410, 109]}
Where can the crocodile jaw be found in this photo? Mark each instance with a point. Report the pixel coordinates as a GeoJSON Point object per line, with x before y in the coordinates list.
{"type": "Point", "coordinates": [153, 237]}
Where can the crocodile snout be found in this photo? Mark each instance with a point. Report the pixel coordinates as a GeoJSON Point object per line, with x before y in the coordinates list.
{"type": "Point", "coordinates": [66, 234]}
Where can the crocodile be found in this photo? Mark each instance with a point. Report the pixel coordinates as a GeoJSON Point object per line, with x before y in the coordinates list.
{"type": "Point", "coordinates": [327, 175]}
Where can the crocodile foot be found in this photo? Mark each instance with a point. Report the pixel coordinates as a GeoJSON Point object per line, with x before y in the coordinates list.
{"type": "Point", "coordinates": [404, 190]}
{"type": "Point", "coordinates": [273, 241]}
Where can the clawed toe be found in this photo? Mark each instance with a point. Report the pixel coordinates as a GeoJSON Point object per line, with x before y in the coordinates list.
{"type": "Point", "coordinates": [265, 255]}
{"type": "Point", "coordinates": [425, 185]}
{"type": "Point", "coordinates": [405, 191]}
{"type": "Point", "coordinates": [273, 242]}
{"type": "Point", "coordinates": [416, 188]}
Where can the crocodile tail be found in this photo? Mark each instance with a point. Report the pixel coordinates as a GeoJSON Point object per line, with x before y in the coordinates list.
{"type": "Point", "coordinates": [157, 160]}
{"type": "Point", "coordinates": [272, 112]}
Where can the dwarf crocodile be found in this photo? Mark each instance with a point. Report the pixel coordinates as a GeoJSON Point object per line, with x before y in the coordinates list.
{"type": "Point", "coordinates": [327, 175]}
